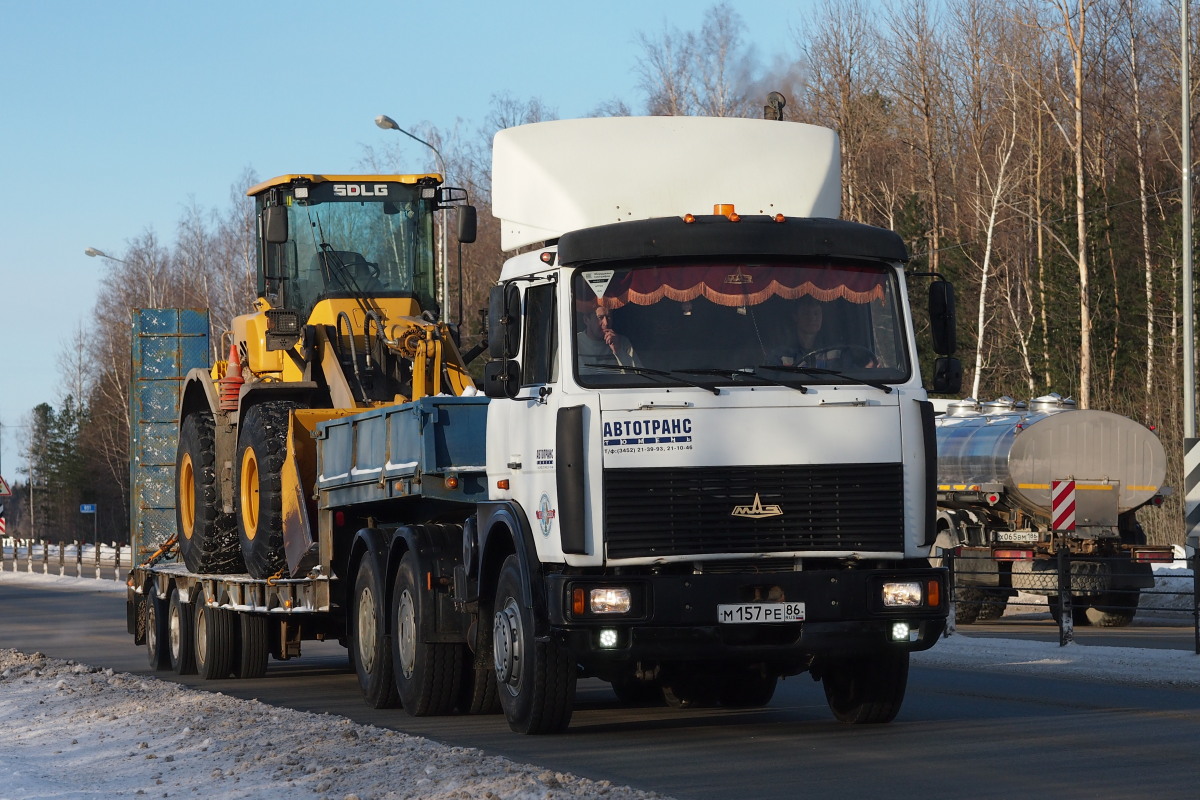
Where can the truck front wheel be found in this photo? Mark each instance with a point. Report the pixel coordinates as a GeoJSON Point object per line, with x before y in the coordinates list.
{"type": "Point", "coordinates": [208, 539]}
{"type": "Point", "coordinates": [866, 689]}
{"type": "Point", "coordinates": [535, 680]}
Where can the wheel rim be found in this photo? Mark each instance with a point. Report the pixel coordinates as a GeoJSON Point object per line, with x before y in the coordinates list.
{"type": "Point", "coordinates": [506, 645]}
{"type": "Point", "coordinates": [366, 629]}
{"type": "Point", "coordinates": [201, 637]}
{"type": "Point", "coordinates": [406, 618]}
{"type": "Point", "coordinates": [151, 626]}
{"type": "Point", "coordinates": [187, 496]}
{"type": "Point", "coordinates": [249, 492]}
{"type": "Point", "coordinates": [174, 633]}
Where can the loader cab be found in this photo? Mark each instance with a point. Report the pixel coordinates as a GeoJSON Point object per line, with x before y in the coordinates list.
{"type": "Point", "coordinates": [354, 237]}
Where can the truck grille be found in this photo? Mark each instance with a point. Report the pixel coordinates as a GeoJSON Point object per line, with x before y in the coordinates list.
{"type": "Point", "coordinates": [829, 507]}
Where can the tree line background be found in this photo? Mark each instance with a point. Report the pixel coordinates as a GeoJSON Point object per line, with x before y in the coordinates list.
{"type": "Point", "coordinates": [1028, 150]}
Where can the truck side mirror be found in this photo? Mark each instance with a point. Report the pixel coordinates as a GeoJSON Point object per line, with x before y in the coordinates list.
{"type": "Point", "coordinates": [943, 319]}
{"type": "Point", "coordinates": [504, 321]}
{"type": "Point", "coordinates": [467, 224]}
{"type": "Point", "coordinates": [502, 379]}
{"type": "Point", "coordinates": [275, 224]}
{"type": "Point", "coordinates": [947, 375]}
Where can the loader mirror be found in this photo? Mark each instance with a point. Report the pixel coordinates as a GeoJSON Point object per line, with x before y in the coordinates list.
{"type": "Point", "coordinates": [275, 226]}
{"type": "Point", "coordinates": [467, 224]}
{"type": "Point", "coordinates": [504, 321]}
{"type": "Point", "coordinates": [947, 376]}
{"type": "Point", "coordinates": [502, 379]}
{"type": "Point", "coordinates": [943, 320]}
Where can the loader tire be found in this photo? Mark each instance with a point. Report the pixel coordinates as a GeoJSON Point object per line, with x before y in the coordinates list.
{"type": "Point", "coordinates": [262, 446]}
{"type": "Point", "coordinates": [208, 538]}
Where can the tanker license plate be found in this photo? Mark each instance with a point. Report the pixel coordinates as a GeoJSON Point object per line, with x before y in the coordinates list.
{"type": "Point", "coordinates": [760, 612]}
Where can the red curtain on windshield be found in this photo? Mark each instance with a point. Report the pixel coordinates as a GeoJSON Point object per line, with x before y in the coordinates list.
{"type": "Point", "coordinates": [744, 285]}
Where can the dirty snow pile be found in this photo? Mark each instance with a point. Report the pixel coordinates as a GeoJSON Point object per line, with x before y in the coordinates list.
{"type": "Point", "coordinates": [74, 731]}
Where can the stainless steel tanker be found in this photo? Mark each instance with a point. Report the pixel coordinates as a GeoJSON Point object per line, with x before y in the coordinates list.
{"type": "Point", "coordinates": [998, 462]}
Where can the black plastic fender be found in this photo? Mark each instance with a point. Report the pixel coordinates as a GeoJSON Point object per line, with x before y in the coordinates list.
{"type": "Point", "coordinates": [503, 528]}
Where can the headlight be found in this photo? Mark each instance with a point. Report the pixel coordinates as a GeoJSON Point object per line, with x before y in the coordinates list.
{"type": "Point", "coordinates": [902, 594]}
{"type": "Point", "coordinates": [609, 601]}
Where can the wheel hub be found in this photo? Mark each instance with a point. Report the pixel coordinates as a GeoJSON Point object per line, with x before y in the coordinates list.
{"type": "Point", "coordinates": [366, 629]}
{"type": "Point", "coordinates": [406, 634]}
{"type": "Point", "coordinates": [506, 644]}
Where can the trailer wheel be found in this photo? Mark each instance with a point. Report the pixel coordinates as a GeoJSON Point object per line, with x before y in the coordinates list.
{"type": "Point", "coordinates": [369, 644]}
{"type": "Point", "coordinates": [255, 646]}
{"type": "Point", "coordinates": [1114, 609]}
{"type": "Point", "coordinates": [216, 641]}
{"type": "Point", "coordinates": [993, 606]}
{"type": "Point", "coordinates": [866, 689]}
{"type": "Point", "coordinates": [968, 602]}
{"type": "Point", "coordinates": [262, 447]}
{"type": "Point", "coordinates": [181, 651]}
{"type": "Point", "coordinates": [536, 680]}
{"type": "Point", "coordinates": [208, 539]}
{"type": "Point", "coordinates": [157, 635]}
{"type": "Point", "coordinates": [427, 673]}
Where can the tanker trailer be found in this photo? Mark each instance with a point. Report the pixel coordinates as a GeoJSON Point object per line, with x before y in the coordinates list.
{"type": "Point", "coordinates": [1009, 476]}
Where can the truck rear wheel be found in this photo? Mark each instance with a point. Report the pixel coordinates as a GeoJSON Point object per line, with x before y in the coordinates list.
{"type": "Point", "coordinates": [208, 538]}
{"type": "Point", "coordinates": [216, 641]}
{"type": "Point", "coordinates": [535, 680]}
{"type": "Point", "coordinates": [427, 673]}
{"type": "Point", "coordinates": [866, 689]}
{"type": "Point", "coordinates": [477, 689]}
{"type": "Point", "coordinates": [181, 651]}
{"type": "Point", "coordinates": [157, 635]}
{"type": "Point", "coordinates": [369, 645]}
{"type": "Point", "coordinates": [255, 646]}
{"type": "Point", "coordinates": [1114, 609]}
{"type": "Point", "coordinates": [262, 447]}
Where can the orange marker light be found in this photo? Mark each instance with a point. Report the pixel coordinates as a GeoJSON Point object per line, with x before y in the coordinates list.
{"type": "Point", "coordinates": [502, 484]}
{"type": "Point", "coordinates": [724, 209]}
{"type": "Point", "coordinates": [933, 594]}
{"type": "Point", "coordinates": [689, 218]}
{"type": "Point", "coordinates": [578, 605]}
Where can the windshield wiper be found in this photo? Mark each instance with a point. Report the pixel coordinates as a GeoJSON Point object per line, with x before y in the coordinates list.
{"type": "Point", "coordinates": [737, 373]}
{"type": "Point", "coordinates": [883, 387]}
{"type": "Point", "coordinates": [658, 372]}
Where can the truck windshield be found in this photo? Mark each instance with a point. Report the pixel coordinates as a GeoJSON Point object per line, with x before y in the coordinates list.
{"type": "Point", "coordinates": [376, 246]}
{"type": "Point", "coordinates": [728, 319]}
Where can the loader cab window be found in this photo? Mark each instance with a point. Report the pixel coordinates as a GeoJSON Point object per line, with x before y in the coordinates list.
{"type": "Point", "coordinates": [540, 364]}
{"type": "Point", "coordinates": [380, 245]}
{"type": "Point", "coordinates": [723, 322]}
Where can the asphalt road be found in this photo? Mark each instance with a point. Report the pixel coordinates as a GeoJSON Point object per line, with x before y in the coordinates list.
{"type": "Point", "coordinates": [960, 734]}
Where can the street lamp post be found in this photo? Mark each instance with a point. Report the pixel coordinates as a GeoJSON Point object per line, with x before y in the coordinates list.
{"type": "Point", "coordinates": [387, 123]}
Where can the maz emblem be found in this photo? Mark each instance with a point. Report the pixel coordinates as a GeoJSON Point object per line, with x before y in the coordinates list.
{"type": "Point", "coordinates": [757, 510]}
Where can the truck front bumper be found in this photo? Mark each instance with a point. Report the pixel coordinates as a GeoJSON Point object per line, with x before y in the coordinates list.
{"type": "Point", "coordinates": [675, 617]}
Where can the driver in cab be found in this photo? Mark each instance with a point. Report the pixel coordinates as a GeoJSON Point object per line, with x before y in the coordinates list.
{"type": "Point", "coordinates": [810, 346]}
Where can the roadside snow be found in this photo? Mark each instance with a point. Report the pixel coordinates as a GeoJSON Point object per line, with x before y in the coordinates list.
{"type": "Point", "coordinates": [72, 731]}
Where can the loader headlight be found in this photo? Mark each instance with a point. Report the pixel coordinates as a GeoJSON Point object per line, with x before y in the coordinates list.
{"type": "Point", "coordinates": [903, 594]}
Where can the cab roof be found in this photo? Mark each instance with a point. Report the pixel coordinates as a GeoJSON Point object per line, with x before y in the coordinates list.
{"type": "Point", "coordinates": [283, 180]}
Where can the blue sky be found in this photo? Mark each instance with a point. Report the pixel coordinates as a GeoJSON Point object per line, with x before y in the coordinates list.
{"type": "Point", "coordinates": [115, 116]}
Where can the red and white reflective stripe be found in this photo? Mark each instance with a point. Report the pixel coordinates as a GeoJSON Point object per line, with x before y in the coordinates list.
{"type": "Point", "coordinates": [1062, 505]}
{"type": "Point", "coordinates": [1, 526]}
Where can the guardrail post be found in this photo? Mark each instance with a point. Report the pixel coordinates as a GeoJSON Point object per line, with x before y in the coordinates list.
{"type": "Point", "coordinates": [117, 560]}
{"type": "Point", "coordinates": [1196, 597]}
{"type": "Point", "coordinates": [62, 560]}
{"type": "Point", "coordinates": [78, 560]}
{"type": "Point", "coordinates": [45, 557]}
{"type": "Point", "coordinates": [1066, 614]}
{"type": "Point", "coordinates": [97, 559]}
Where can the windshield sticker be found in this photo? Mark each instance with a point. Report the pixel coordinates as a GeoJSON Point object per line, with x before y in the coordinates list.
{"type": "Point", "coordinates": [598, 280]}
{"type": "Point", "coordinates": [545, 515]}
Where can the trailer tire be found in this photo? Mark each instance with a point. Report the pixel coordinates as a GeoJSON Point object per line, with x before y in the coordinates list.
{"type": "Point", "coordinates": [1114, 609]}
{"type": "Point", "coordinates": [208, 538]}
{"type": "Point", "coordinates": [369, 645]}
{"type": "Point", "coordinates": [428, 674]}
{"type": "Point", "coordinates": [255, 646]}
{"type": "Point", "coordinates": [866, 690]}
{"type": "Point", "coordinates": [993, 605]}
{"type": "Point", "coordinates": [180, 648]}
{"type": "Point", "coordinates": [535, 680]}
{"type": "Point", "coordinates": [968, 602]}
{"type": "Point", "coordinates": [157, 635]}
{"type": "Point", "coordinates": [262, 447]}
{"type": "Point", "coordinates": [216, 642]}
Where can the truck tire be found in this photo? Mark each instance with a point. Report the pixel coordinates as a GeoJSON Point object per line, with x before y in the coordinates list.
{"type": "Point", "coordinates": [477, 690]}
{"type": "Point", "coordinates": [369, 645]}
{"type": "Point", "coordinates": [535, 680]}
{"type": "Point", "coordinates": [180, 641]}
{"type": "Point", "coordinates": [968, 602]}
{"type": "Point", "coordinates": [157, 635]}
{"type": "Point", "coordinates": [255, 646]}
{"type": "Point", "coordinates": [750, 688]}
{"type": "Point", "coordinates": [993, 605]}
{"type": "Point", "coordinates": [866, 690]}
{"type": "Point", "coordinates": [428, 674]}
{"type": "Point", "coordinates": [1114, 609]}
{"type": "Point", "coordinates": [262, 446]}
{"type": "Point", "coordinates": [216, 642]}
{"type": "Point", "coordinates": [208, 538]}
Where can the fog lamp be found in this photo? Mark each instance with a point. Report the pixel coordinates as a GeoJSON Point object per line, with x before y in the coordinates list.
{"type": "Point", "coordinates": [609, 600]}
{"type": "Point", "coordinates": [902, 594]}
{"type": "Point", "coordinates": [900, 631]}
{"type": "Point", "coordinates": [608, 638]}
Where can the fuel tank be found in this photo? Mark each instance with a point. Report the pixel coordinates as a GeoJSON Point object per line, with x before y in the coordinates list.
{"type": "Point", "coordinates": [1023, 447]}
